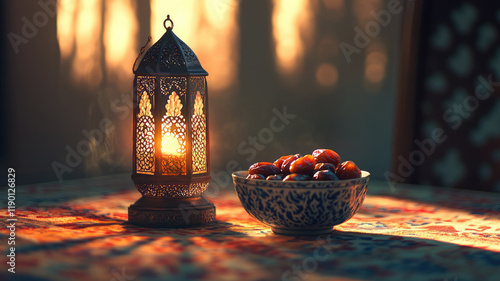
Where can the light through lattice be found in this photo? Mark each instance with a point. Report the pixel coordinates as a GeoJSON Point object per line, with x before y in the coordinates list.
{"type": "Point", "coordinates": [173, 138]}
{"type": "Point", "coordinates": [170, 136]}
{"type": "Point", "coordinates": [145, 149]}
{"type": "Point", "coordinates": [199, 136]}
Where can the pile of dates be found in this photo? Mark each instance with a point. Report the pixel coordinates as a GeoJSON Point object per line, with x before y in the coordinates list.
{"type": "Point", "coordinates": [321, 165]}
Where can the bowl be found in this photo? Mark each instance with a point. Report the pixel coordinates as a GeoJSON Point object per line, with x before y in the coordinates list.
{"type": "Point", "coordinates": [301, 207]}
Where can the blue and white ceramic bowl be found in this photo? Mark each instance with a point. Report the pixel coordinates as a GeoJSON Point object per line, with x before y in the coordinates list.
{"type": "Point", "coordinates": [301, 207]}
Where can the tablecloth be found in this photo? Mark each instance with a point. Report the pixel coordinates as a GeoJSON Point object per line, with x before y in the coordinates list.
{"type": "Point", "coordinates": [78, 230]}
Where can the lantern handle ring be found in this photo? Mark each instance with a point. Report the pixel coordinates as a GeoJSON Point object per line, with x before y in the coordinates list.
{"type": "Point", "coordinates": [140, 54]}
{"type": "Point", "coordinates": [171, 23]}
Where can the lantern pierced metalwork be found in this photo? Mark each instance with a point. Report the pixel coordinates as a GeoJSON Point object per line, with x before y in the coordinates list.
{"type": "Point", "coordinates": [171, 156]}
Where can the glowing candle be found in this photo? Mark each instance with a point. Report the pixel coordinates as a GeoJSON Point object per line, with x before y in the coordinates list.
{"type": "Point", "coordinates": [170, 145]}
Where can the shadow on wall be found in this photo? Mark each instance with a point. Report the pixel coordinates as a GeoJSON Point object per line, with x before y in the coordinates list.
{"type": "Point", "coordinates": [277, 85]}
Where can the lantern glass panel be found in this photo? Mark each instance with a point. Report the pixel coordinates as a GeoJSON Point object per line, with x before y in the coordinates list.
{"type": "Point", "coordinates": [145, 126]}
{"type": "Point", "coordinates": [173, 125]}
{"type": "Point", "coordinates": [198, 106]}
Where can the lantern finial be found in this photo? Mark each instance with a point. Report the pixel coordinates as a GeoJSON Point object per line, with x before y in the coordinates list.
{"type": "Point", "coordinates": [171, 23]}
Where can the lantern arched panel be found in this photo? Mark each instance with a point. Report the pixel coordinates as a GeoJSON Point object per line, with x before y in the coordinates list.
{"type": "Point", "coordinates": [171, 156]}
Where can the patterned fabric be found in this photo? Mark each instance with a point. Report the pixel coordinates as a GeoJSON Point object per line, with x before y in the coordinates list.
{"type": "Point", "coordinates": [78, 231]}
{"type": "Point", "coordinates": [458, 92]}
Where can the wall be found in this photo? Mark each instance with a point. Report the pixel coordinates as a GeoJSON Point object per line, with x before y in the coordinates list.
{"type": "Point", "coordinates": [335, 104]}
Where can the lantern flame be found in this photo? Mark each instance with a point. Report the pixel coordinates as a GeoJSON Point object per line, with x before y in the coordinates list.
{"type": "Point", "coordinates": [170, 145]}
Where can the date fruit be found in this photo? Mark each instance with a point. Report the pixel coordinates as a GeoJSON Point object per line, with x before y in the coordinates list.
{"type": "Point", "coordinates": [277, 177]}
{"type": "Point", "coordinates": [348, 170]}
{"type": "Point", "coordinates": [297, 177]}
{"type": "Point", "coordinates": [256, 177]}
{"type": "Point", "coordinates": [325, 175]}
{"type": "Point", "coordinates": [324, 166]}
{"type": "Point", "coordinates": [303, 165]}
{"type": "Point", "coordinates": [280, 161]}
{"type": "Point", "coordinates": [326, 156]}
{"type": "Point", "coordinates": [264, 168]}
{"type": "Point", "coordinates": [285, 167]}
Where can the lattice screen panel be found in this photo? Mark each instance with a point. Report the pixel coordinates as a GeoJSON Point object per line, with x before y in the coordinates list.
{"type": "Point", "coordinates": [145, 128]}
{"type": "Point", "coordinates": [199, 124]}
{"type": "Point", "coordinates": [174, 133]}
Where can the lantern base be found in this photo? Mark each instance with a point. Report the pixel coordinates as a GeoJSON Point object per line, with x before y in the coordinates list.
{"type": "Point", "coordinates": [171, 212]}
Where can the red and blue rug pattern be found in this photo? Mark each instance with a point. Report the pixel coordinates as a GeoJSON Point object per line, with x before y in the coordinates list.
{"type": "Point", "coordinates": [77, 230]}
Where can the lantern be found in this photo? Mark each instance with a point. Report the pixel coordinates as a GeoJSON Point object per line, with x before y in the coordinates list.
{"type": "Point", "coordinates": [170, 135]}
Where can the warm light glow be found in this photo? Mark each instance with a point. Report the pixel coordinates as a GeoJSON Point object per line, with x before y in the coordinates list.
{"type": "Point", "coordinates": [362, 10]}
{"type": "Point", "coordinates": [174, 105]}
{"type": "Point", "coordinates": [120, 33]}
{"type": "Point", "coordinates": [170, 145]}
{"type": "Point", "coordinates": [432, 212]}
{"type": "Point", "coordinates": [376, 57]}
{"type": "Point", "coordinates": [97, 41]}
{"type": "Point", "coordinates": [66, 13]}
{"type": "Point", "coordinates": [81, 25]}
{"type": "Point", "coordinates": [209, 28]}
{"type": "Point", "coordinates": [293, 29]}
{"type": "Point", "coordinates": [198, 104]}
{"type": "Point", "coordinates": [86, 68]}
{"type": "Point", "coordinates": [374, 73]}
{"type": "Point", "coordinates": [181, 13]}
{"type": "Point", "coordinates": [145, 105]}
{"type": "Point", "coordinates": [327, 75]}
{"type": "Point", "coordinates": [375, 63]}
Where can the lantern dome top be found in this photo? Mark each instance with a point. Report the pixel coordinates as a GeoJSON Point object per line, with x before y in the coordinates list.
{"type": "Point", "coordinates": [171, 56]}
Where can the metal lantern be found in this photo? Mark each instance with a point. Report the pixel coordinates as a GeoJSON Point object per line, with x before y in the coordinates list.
{"type": "Point", "coordinates": [171, 157]}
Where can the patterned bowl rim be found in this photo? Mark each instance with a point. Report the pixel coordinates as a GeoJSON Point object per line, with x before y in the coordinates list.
{"type": "Point", "coordinates": [240, 177]}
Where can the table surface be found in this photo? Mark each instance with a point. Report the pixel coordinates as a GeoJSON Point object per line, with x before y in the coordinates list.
{"type": "Point", "coordinates": [77, 230]}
